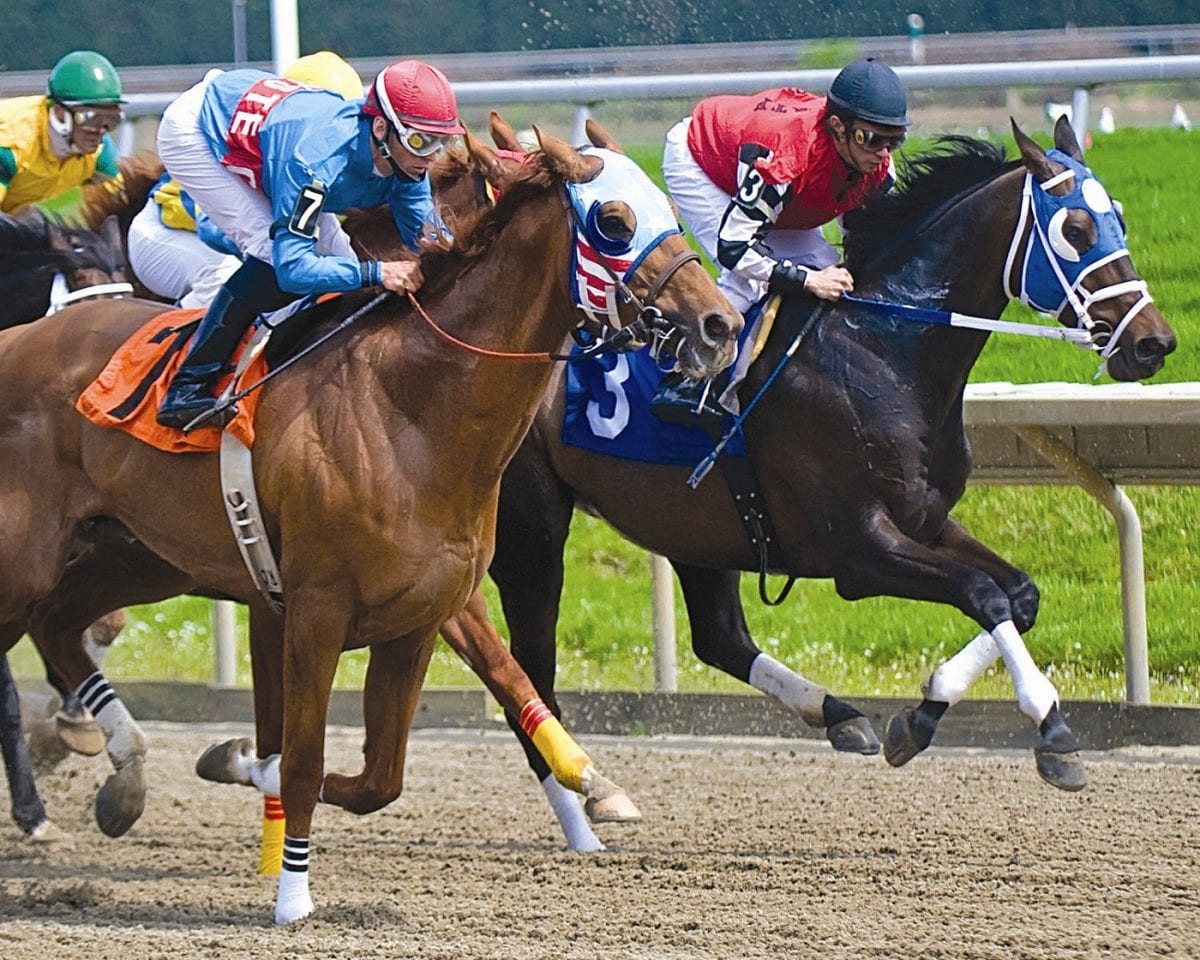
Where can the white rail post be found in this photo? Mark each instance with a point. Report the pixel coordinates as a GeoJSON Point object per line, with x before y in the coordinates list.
{"type": "Point", "coordinates": [285, 34]}
{"type": "Point", "coordinates": [1081, 100]}
{"type": "Point", "coordinates": [224, 625]}
{"type": "Point", "coordinates": [662, 593]}
{"type": "Point", "coordinates": [1129, 541]}
{"type": "Point", "coordinates": [579, 127]}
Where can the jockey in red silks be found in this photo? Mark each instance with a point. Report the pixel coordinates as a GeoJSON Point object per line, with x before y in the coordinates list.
{"type": "Point", "coordinates": [755, 177]}
{"type": "Point", "coordinates": [270, 161]}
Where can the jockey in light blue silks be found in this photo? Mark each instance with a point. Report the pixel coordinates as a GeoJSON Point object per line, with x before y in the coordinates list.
{"type": "Point", "coordinates": [270, 161]}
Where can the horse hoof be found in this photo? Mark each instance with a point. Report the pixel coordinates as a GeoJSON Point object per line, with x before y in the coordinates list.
{"type": "Point", "coordinates": [900, 743]}
{"type": "Point", "coordinates": [46, 747]}
{"type": "Point", "coordinates": [227, 762]}
{"type": "Point", "coordinates": [45, 832]}
{"type": "Point", "coordinates": [122, 799]}
{"type": "Point", "coordinates": [296, 909]}
{"type": "Point", "coordinates": [854, 736]}
{"type": "Point", "coordinates": [81, 734]}
{"type": "Point", "coordinates": [608, 803]}
{"type": "Point", "coordinates": [1063, 770]}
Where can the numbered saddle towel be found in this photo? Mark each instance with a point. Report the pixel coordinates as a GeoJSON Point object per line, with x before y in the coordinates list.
{"type": "Point", "coordinates": [608, 412]}
{"type": "Point", "coordinates": [127, 392]}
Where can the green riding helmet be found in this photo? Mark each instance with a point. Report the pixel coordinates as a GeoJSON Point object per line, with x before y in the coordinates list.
{"type": "Point", "coordinates": [86, 77]}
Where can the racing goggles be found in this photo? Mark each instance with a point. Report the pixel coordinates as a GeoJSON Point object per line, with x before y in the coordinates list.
{"type": "Point", "coordinates": [872, 140]}
{"type": "Point", "coordinates": [95, 119]}
{"type": "Point", "coordinates": [418, 142]}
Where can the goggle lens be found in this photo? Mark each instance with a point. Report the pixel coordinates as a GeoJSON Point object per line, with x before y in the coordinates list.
{"type": "Point", "coordinates": [873, 140]}
{"type": "Point", "coordinates": [419, 142]}
{"type": "Point", "coordinates": [97, 120]}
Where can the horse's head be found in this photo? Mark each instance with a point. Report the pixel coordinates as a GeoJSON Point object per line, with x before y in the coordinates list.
{"type": "Point", "coordinates": [630, 263]}
{"type": "Point", "coordinates": [90, 264]}
{"type": "Point", "coordinates": [1075, 263]}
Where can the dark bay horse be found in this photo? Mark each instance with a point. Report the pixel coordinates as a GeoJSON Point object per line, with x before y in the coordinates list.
{"type": "Point", "coordinates": [378, 465]}
{"type": "Point", "coordinates": [46, 264]}
{"type": "Point", "coordinates": [860, 453]}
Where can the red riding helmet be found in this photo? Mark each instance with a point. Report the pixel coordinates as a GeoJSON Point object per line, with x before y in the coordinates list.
{"type": "Point", "coordinates": [413, 94]}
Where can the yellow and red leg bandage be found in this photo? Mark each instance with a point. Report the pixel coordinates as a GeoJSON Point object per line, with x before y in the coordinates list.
{"type": "Point", "coordinates": [270, 851]}
{"type": "Point", "coordinates": [566, 758]}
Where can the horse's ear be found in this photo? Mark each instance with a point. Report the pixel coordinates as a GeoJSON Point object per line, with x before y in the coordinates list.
{"type": "Point", "coordinates": [110, 231]}
{"type": "Point", "coordinates": [503, 135]}
{"type": "Point", "coordinates": [599, 137]}
{"type": "Point", "coordinates": [499, 171]}
{"type": "Point", "coordinates": [1034, 156]}
{"type": "Point", "coordinates": [568, 162]}
{"type": "Point", "coordinates": [1065, 140]}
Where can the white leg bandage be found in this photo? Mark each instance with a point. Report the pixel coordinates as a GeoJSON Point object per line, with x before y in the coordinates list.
{"type": "Point", "coordinates": [789, 688]}
{"type": "Point", "coordinates": [952, 679]}
{"type": "Point", "coordinates": [1035, 694]}
{"type": "Point", "coordinates": [571, 818]}
{"type": "Point", "coordinates": [264, 774]}
{"type": "Point", "coordinates": [292, 899]}
{"type": "Point", "coordinates": [123, 737]}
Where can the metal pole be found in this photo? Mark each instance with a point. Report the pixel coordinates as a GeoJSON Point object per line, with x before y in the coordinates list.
{"type": "Point", "coordinates": [1129, 540]}
{"type": "Point", "coordinates": [224, 624]}
{"type": "Point", "coordinates": [662, 595]}
{"type": "Point", "coordinates": [285, 34]}
{"type": "Point", "coordinates": [1081, 101]}
{"type": "Point", "coordinates": [239, 33]}
{"type": "Point", "coordinates": [579, 128]}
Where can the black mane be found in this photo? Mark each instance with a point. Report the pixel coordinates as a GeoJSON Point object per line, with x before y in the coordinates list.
{"type": "Point", "coordinates": [924, 183]}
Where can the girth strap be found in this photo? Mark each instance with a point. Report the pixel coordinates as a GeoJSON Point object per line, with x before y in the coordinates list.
{"type": "Point", "coordinates": [752, 511]}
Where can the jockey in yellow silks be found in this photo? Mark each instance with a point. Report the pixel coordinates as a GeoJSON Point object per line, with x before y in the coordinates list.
{"type": "Point", "coordinates": [51, 144]}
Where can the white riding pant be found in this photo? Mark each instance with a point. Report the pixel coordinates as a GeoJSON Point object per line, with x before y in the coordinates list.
{"type": "Point", "coordinates": [238, 209]}
{"type": "Point", "coordinates": [176, 264]}
{"type": "Point", "coordinates": [702, 205]}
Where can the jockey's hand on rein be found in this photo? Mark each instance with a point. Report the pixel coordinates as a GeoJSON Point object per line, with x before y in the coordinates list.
{"type": "Point", "coordinates": [828, 284]}
{"type": "Point", "coordinates": [402, 276]}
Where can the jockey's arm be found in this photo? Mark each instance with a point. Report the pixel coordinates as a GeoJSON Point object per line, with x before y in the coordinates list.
{"type": "Point", "coordinates": [749, 218]}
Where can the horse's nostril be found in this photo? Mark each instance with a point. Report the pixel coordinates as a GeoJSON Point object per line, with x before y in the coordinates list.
{"type": "Point", "coordinates": [1154, 347]}
{"type": "Point", "coordinates": [717, 328]}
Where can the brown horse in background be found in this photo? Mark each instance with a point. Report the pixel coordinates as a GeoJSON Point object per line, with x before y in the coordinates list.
{"type": "Point", "coordinates": [377, 464]}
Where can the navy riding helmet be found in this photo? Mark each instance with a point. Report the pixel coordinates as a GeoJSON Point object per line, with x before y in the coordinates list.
{"type": "Point", "coordinates": [871, 91]}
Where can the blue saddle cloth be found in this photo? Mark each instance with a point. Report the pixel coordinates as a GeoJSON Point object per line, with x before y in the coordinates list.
{"type": "Point", "coordinates": [608, 412]}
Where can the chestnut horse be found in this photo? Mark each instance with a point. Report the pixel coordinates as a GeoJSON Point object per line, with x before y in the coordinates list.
{"type": "Point", "coordinates": [859, 451]}
{"type": "Point", "coordinates": [378, 464]}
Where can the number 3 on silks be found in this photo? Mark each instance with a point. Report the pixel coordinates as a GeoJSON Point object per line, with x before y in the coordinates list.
{"type": "Point", "coordinates": [306, 213]}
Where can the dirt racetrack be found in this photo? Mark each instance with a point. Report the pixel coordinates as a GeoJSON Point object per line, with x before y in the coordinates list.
{"type": "Point", "coordinates": [749, 848]}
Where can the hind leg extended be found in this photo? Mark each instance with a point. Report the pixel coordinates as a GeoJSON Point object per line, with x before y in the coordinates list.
{"type": "Point", "coordinates": [102, 578]}
{"type": "Point", "coordinates": [958, 570]}
{"type": "Point", "coordinates": [721, 639]}
{"type": "Point", "coordinates": [531, 530]}
{"type": "Point", "coordinates": [473, 637]}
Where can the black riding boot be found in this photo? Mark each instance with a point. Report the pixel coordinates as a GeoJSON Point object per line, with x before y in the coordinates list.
{"type": "Point", "coordinates": [250, 291]}
{"type": "Point", "coordinates": [191, 389]}
{"type": "Point", "coordinates": [678, 400]}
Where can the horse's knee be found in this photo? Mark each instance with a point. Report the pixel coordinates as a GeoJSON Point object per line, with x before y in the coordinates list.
{"type": "Point", "coordinates": [1024, 601]}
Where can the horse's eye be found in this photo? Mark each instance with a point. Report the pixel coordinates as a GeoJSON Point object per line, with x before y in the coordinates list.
{"type": "Point", "coordinates": [616, 222]}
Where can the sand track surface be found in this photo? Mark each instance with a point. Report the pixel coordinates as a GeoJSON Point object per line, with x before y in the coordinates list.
{"type": "Point", "coordinates": [749, 848]}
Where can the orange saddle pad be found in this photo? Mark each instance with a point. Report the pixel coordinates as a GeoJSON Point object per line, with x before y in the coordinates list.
{"type": "Point", "coordinates": [127, 393]}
